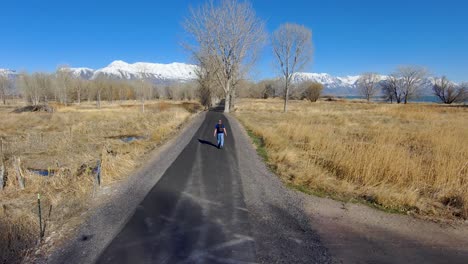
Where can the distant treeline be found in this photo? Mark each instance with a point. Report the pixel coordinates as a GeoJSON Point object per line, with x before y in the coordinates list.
{"type": "Point", "coordinates": [63, 87]}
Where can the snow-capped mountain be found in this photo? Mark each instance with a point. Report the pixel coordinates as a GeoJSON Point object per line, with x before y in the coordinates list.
{"type": "Point", "coordinates": [332, 84]}
{"type": "Point", "coordinates": [182, 72]}
{"type": "Point", "coordinates": [85, 73]}
{"type": "Point", "coordinates": [347, 85]}
{"type": "Point", "coordinates": [173, 72]}
{"type": "Point", "coordinates": [7, 72]}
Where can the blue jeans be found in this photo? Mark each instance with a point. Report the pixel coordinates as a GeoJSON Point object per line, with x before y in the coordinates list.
{"type": "Point", "coordinates": [220, 138]}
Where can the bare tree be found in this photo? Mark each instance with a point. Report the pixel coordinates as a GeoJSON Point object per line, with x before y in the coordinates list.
{"type": "Point", "coordinates": [404, 84]}
{"type": "Point", "coordinates": [392, 89]}
{"type": "Point", "coordinates": [227, 37]}
{"type": "Point", "coordinates": [387, 91]}
{"type": "Point", "coordinates": [268, 88]}
{"type": "Point", "coordinates": [312, 90]}
{"type": "Point", "coordinates": [5, 86]}
{"type": "Point", "coordinates": [64, 80]}
{"type": "Point", "coordinates": [292, 46]}
{"type": "Point", "coordinates": [449, 92]}
{"type": "Point", "coordinates": [99, 85]}
{"type": "Point", "coordinates": [79, 87]}
{"type": "Point", "coordinates": [464, 86]}
{"type": "Point", "coordinates": [143, 91]}
{"type": "Point", "coordinates": [412, 80]}
{"type": "Point", "coordinates": [206, 85]}
{"type": "Point", "coordinates": [367, 85]}
{"type": "Point", "coordinates": [204, 94]}
{"type": "Point", "coordinates": [34, 86]}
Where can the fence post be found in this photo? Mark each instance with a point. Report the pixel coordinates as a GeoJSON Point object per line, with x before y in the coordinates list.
{"type": "Point", "coordinates": [97, 177]}
{"type": "Point", "coordinates": [98, 172]}
{"type": "Point", "coordinates": [2, 173]}
{"type": "Point", "coordinates": [41, 230]}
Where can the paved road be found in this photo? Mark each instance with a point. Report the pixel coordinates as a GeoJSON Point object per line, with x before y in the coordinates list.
{"type": "Point", "coordinates": [195, 213]}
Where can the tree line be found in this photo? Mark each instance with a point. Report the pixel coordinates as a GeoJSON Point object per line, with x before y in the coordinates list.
{"type": "Point", "coordinates": [66, 88]}
{"type": "Point", "coordinates": [407, 83]}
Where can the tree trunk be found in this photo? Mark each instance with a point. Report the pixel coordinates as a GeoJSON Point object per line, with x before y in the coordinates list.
{"type": "Point", "coordinates": [233, 98]}
{"type": "Point", "coordinates": [227, 103]}
{"type": "Point", "coordinates": [98, 100]}
{"type": "Point", "coordinates": [286, 97]}
{"type": "Point", "coordinates": [79, 97]}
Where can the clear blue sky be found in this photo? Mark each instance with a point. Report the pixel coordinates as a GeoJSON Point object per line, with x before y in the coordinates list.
{"type": "Point", "coordinates": [350, 37]}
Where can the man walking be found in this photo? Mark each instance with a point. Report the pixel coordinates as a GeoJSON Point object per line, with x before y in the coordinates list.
{"type": "Point", "coordinates": [219, 132]}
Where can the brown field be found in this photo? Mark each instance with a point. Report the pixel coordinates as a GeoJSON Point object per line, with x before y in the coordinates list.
{"type": "Point", "coordinates": [69, 143]}
{"type": "Point", "coordinates": [406, 158]}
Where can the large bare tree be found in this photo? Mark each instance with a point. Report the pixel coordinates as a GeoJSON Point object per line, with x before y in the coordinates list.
{"type": "Point", "coordinates": [448, 92]}
{"type": "Point", "coordinates": [412, 79]}
{"type": "Point", "coordinates": [225, 36]}
{"type": "Point", "coordinates": [392, 89]}
{"type": "Point", "coordinates": [368, 84]}
{"type": "Point", "coordinates": [292, 46]}
{"type": "Point", "coordinates": [404, 84]}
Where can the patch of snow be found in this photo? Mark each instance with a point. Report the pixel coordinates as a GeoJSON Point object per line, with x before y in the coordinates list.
{"type": "Point", "coordinates": [145, 70]}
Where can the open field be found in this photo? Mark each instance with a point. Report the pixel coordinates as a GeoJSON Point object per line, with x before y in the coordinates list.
{"type": "Point", "coordinates": [68, 144]}
{"type": "Point", "coordinates": [406, 158]}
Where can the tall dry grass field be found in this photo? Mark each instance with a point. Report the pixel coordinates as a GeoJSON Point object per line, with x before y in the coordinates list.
{"type": "Point", "coordinates": [410, 158]}
{"type": "Point", "coordinates": [68, 144]}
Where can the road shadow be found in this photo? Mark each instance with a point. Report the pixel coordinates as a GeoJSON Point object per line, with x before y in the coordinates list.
{"type": "Point", "coordinates": [205, 142]}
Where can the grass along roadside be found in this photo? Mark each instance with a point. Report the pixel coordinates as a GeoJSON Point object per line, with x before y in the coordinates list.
{"type": "Point", "coordinates": [69, 143]}
{"type": "Point", "coordinates": [260, 147]}
{"type": "Point", "coordinates": [398, 158]}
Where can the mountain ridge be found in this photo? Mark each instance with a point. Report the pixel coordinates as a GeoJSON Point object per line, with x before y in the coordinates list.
{"type": "Point", "coordinates": [160, 73]}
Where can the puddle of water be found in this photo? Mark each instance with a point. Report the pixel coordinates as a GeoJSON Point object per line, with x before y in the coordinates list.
{"type": "Point", "coordinates": [128, 138]}
{"type": "Point", "coordinates": [44, 173]}
{"type": "Point", "coordinates": [131, 139]}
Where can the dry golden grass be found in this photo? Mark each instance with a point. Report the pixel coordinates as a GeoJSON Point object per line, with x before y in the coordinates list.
{"type": "Point", "coordinates": [69, 142]}
{"type": "Point", "coordinates": [408, 158]}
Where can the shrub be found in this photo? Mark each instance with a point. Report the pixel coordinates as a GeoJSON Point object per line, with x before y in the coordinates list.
{"type": "Point", "coordinates": [313, 91]}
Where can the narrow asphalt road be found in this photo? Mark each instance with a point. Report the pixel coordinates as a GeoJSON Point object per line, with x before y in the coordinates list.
{"type": "Point", "coordinates": [196, 212]}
